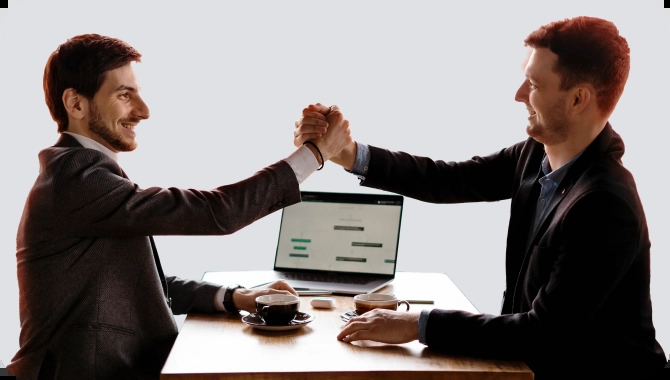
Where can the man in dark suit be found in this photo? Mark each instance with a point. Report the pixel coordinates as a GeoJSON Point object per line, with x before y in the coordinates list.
{"type": "Point", "coordinates": [577, 300]}
{"type": "Point", "coordinates": [94, 302]}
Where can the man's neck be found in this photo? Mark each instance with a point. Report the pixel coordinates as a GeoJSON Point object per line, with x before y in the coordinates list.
{"type": "Point", "coordinates": [579, 139]}
{"type": "Point", "coordinates": [89, 143]}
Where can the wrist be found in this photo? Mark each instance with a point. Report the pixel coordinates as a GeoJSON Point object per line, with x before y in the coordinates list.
{"type": "Point", "coordinates": [316, 151]}
{"type": "Point", "coordinates": [229, 299]}
{"type": "Point", "coordinates": [347, 156]}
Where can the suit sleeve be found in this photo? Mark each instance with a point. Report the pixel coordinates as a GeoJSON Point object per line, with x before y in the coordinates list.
{"type": "Point", "coordinates": [599, 242]}
{"type": "Point", "coordinates": [92, 198]}
{"type": "Point", "coordinates": [488, 178]}
{"type": "Point", "coordinates": [191, 296]}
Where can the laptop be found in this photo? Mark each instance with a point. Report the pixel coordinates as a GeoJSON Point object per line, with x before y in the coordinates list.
{"type": "Point", "coordinates": [341, 243]}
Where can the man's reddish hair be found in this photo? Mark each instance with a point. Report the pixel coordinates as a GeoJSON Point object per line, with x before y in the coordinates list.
{"type": "Point", "coordinates": [590, 50]}
{"type": "Point", "coordinates": [81, 63]}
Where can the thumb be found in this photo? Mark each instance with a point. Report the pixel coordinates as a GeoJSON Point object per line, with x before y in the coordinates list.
{"type": "Point", "coordinates": [277, 291]}
{"type": "Point", "coordinates": [320, 108]}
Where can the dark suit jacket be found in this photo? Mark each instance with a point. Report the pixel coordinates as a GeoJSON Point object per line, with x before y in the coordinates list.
{"type": "Point", "coordinates": [91, 302]}
{"type": "Point", "coordinates": [577, 287]}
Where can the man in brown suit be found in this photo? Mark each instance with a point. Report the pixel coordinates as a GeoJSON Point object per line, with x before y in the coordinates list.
{"type": "Point", "coordinates": [94, 302]}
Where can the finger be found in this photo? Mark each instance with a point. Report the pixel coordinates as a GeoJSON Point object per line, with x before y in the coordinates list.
{"type": "Point", "coordinates": [305, 129]}
{"type": "Point", "coordinates": [360, 318]}
{"type": "Point", "coordinates": [334, 117]}
{"type": "Point", "coordinates": [313, 113]}
{"type": "Point", "coordinates": [352, 327]}
{"type": "Point", "coordinates": [359, 335]}
{"type": "Point", "coordinates": [318, 107]}
{"type": "Point", "coordinates": [277, 291]}
{"type": "Point", "coordinates": [279, 284]}
{"type": "Point", "coordinates": [284, 286]}
{"type": "Point", "coordinates": [308, 120]}
{"type": "Point", "coordinates": [334, 108]}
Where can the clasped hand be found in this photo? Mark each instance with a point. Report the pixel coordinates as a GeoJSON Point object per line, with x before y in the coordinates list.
{"type": "Point", "coordinates": [325, 127]}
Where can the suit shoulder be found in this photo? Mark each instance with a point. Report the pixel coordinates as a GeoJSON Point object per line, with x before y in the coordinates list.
{"type": "Point", "coordinates": [610, 193]}
{"type": "Point", "coordinates": [609, 175]}
{"type": "Point", "coordinates": [68, 162]}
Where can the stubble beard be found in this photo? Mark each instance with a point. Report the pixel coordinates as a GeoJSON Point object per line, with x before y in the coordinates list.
{"type": "Point", "coordinates": [554, 129]}
{"type": "Point", "coordinates": [98, 127]}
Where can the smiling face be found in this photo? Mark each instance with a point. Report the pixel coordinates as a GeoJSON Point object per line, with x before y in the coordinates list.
{"type": "Point", "coordinates": [116, 109]}
{"type": "Point", "coordinates": [548, 122]}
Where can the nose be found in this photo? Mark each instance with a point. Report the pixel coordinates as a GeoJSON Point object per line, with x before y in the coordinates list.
{"type": "Point", "coordinates": [522, 92]}
{"type": "Point", "coordinates": [140, 109]}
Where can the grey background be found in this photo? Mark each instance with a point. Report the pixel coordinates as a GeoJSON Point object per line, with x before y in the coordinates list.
{"type": "Point", "coordinates": [226, 80]}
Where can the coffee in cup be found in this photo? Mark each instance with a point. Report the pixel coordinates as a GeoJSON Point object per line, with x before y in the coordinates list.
{"type": "Point", "coordinates": [277, 309]}
{"type": "Point", "coordinates": [366, 302]}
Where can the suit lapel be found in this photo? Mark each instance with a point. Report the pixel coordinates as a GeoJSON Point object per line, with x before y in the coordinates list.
{"type": "Point", "coordinates": [67, 141]}
{"type": "Point", "coordinates": [596, 149]}
{"type": "Point", "coordinates": [560, 193]}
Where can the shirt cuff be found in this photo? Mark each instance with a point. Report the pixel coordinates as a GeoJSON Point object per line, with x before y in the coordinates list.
{"type": "Point", "coordinates": [218, 299]}
{"type": "Point", "coordinates": [423, 323]}
{"type": "Point", "coordinates": [362, 161]}
{"type": "Point", "coordinates": [303, 163]}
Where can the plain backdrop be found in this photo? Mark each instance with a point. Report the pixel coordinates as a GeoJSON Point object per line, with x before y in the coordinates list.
{"type": "Point", "coordinates": [226, 80]}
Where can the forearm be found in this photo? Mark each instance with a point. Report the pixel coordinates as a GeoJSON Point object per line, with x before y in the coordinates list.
{"type": "Point", "coordinates": [304, 161]}
{"type": "Point", "coordinates": [479, 179]}
{"type": "Point", "coordinates": [119, 207]}
{"type": "Point", "coordinates": [347, 157]}
{"type": "Point", "coordinates": [191, 296]}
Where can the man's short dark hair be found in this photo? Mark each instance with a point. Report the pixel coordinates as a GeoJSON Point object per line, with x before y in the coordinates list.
{"type": "Point", "coordinates": [80, 63]}
{"type": "Point", "coordinates": [590, 50]}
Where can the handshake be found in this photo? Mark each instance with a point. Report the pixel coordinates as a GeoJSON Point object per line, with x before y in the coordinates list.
{"type": "Point", "coordinates": [326, 133]}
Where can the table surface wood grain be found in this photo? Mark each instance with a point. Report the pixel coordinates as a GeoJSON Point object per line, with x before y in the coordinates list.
{"type": "Point", "coordinates": [221, 346]}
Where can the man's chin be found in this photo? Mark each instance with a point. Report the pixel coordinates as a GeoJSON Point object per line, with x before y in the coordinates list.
{"type": "Point", "coordinates": [129, 147]}
{"type": "Point", "coordinates": [535, 134]}
{"type": "Point", "coordinates": [123, 146]}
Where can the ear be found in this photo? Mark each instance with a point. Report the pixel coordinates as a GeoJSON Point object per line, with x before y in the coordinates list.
{"type": "Point", "coordinates": [581, 97]}
{"type": "Point", "coordinates": [75, 104]}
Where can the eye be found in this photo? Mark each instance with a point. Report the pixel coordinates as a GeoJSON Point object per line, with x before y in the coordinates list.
{"type": "Point", "coordinates": [124, 95]}
{"type": "Point", "coordinates": [531, 85]}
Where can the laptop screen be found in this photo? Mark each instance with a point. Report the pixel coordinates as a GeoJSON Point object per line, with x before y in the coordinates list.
{"type": "Point", "coordinates": [340, 232]}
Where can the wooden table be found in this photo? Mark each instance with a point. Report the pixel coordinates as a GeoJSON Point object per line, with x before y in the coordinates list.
{"type": "Point", "coordinates": [220, 346]}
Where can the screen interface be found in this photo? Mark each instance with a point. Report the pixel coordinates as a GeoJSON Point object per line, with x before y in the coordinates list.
{"type": "Point", "coordinates": [327, 232]}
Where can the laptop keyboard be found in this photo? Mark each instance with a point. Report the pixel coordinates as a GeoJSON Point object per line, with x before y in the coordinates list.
{"type": "Point", "coordinates": [325, 277]}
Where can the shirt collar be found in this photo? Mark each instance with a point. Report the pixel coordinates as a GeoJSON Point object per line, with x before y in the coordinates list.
{"type": "Point", "coordinates": [92, 144]}
{"type": "Point", "coordinates": [557, 175]}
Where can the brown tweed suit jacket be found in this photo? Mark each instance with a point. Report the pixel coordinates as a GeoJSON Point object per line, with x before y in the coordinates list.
{"type": "Point", "coordinates": [91, 301]}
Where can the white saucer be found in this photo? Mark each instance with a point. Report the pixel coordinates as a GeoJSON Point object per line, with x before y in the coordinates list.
{"type": "Point", "coordinates": [254, 320]}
